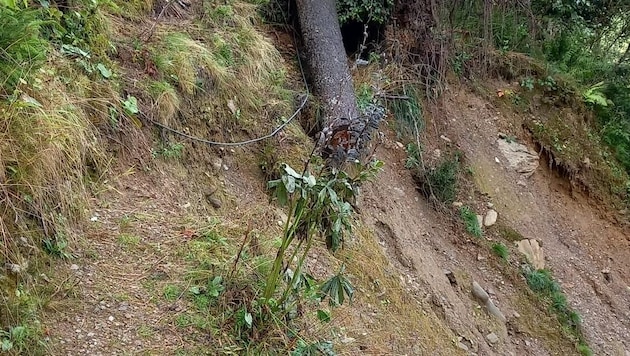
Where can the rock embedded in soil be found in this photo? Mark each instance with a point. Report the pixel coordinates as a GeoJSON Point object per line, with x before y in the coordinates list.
{"type": "Point", "coordinates": [491, 217]}
{"type": "Point", "coordinates": [483, 296]}
{"type": "Point", "coordinates": [215, 202]}
{"type": "Point", "coordinates": [533, 252]}
{"type": "Point", "coordinates": [479, 292]}
{"type": "Point", "coordinates": [492, 338]}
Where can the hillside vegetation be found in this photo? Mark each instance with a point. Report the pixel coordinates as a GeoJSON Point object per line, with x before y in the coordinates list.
{"type": "Point", "coordinates": [136, 134]}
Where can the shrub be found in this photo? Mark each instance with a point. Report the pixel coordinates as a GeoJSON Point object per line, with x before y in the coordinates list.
{"type": "Point", "coordinates": [22, 50]}
{"type": "Point", "coordinates": [440, 182]}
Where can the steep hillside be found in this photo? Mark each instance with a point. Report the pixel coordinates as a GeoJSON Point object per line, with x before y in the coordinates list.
{"type": "Point", "coordinates": [139, 218]}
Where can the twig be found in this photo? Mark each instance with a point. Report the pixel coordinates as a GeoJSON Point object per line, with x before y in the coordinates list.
{"type": "Point", "coordinates": [240, 251]}
{"type": "Point", "coordinates": [157, 20]}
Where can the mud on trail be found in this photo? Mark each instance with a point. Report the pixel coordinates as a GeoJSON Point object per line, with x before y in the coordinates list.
{"type": "Point", "coordinates": [127, 292]}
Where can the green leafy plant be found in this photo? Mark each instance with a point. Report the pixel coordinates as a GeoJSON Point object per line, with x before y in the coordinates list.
{"type": "Point", "coordinates": [470, 221]}
{"type": "Point", "coordinates": [458, 62]}
{"type": "Point", "coordinates": [57, 247]}
{"type": "Point", "coordinates": [408, 112]}
{"type": "Point", "coordinates": [171, 150]}
{"type": "Point", "coordinates": [313, 349]}
{"type": "Point", "coordinates": [336, 289]}
{"type": "Point", "coordinates": [365, 11]}
{"type": "Point", "coordinates": [548, 83]}
{"type": "Point", "coordinates": [541, 281]}
{"type": "Point", "coordinates": [543, 284]}
{"type": "Point", "coordinates": [594, 95]}
{"type": "Point", "coordinates": [413, 156]}
{"type": "Point", "coordinates": [130, 105]}
{"type": "Point", "coordinates": [365, 96]}
{"type": "Point", "coordinates": [317, 207]}
{"type": "Point", "coordinates": [13, 339]}
{"type": "Point", "coordinates": [323, 316]}
{"type": "Point", "coordinates": [528, 83]}
{"type": "Point", "coordinates": [171, 292]}
{"type": "Point", "coordinates": [22, 48]}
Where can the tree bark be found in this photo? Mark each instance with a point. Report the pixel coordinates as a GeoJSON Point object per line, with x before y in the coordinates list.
{"type": "Point", "coordinates": [327, 59]}
{"type": "Point", "coordinates": [346, 135]}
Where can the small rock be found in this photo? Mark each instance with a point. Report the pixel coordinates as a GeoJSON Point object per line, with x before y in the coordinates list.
{"type": "Point", "coordinates": [517, 315]}
{"type": "Point", "coordinates": [217, 163]}
{"type": "Point", "coordinates": [214, 201]}
{"type": "Point", "coordinates": [491, 217]}
{"type": "Point", "coordinates": [492, 338]}
{"type": "Point", "coordinates": [458, 204]}
{"type": "Point", "coordinates": [479, 292]}
{"type": "Point", "coordinates": [446, 139]}
{"type": "Point", "coordinates": [494, 310]}
{"type": "Point", "coordinates": [451, 277]}
{"type": "Point", "coordinates": [225, 168]}
{"type": "Point", "coordinates": [74, 267]}
{"type": "Point", "coordinates": [462, 346]}
{"type": "Point", "coordinates": [522, 183]}
{"type": "Point", "coordinates": [490, 205]}
{"type": "Point", "coordinates": [13, 267]}
{"type": "Point", "coordinates": [111, 318]}
{"type": "Point", "coordinates": [527, 343]}
{"type": "Point", "coordinates": [400, 145]}
{"type": "Point", "coordinates": [480, 257]}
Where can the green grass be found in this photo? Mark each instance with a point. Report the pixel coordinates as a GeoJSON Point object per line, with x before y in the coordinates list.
{"type": "Point", "coordinates": [470, 221]}
{"type": "Point", "coordinates": [548, 290]}
{"type": "Point", "coordinates": [440, 182]}
{"type": "Point", "coordinates": [128, 240]}
{"type": "Point", "coordinates": [501, 251]}
{"type": "Point", "coordinates": [145, 331]}
{"type": "Point", "coordinates": [171, 292]}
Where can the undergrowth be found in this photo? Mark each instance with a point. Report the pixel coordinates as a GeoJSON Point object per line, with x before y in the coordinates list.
{"type": "Point", "coordinates": [543, 284]}
{"type": "Point", "coordinates": [70, 81]}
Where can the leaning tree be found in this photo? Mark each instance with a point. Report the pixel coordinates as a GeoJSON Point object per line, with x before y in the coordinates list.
{"type": "Point", "coordinates": [346, 129]}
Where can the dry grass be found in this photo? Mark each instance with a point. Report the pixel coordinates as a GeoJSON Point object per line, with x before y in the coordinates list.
{"type": "Point", "coordinates": [49, 149]}
{"type": "Point", "coordinates": [399, 322]}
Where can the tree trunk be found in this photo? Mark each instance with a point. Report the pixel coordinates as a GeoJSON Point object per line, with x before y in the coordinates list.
{"type": "Point", "coordinates": [327, 59]}
{"type": "Point", "coordinates": [345, 135]}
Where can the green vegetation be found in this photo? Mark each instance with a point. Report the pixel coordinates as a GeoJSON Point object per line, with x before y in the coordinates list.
{"type": "Point", "coordinates": [470, 221]}
{"type": "Point", "coordinates": [501, 251]}
{"type": "Point", "coordinates": [439, 183]}
{"type": "Point", "coordinates": [543, 284]}
{"type": "Point", "coordinates": [364, 11]}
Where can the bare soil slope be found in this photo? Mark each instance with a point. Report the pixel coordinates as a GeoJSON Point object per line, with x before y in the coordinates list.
{"type": "Point", "coordinates": [588, 254]}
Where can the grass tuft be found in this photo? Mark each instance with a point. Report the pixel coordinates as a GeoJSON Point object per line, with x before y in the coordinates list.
{"type": "Point", "coordinates": [441, 181]}
{"type": "Point", "coordinates": [470, 221]}
{"type": "Point", "coordinates": [501, 251]}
